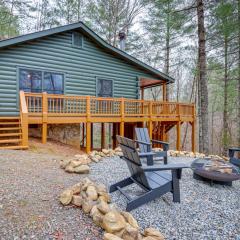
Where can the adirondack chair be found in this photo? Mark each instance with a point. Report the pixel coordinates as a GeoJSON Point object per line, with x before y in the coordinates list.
{"type": "Point", "coordinates": [154, 180]}
{"type": "Point", "coordinates": [145, 145]}
{"type": "Point", "coordinates": [234, 160]}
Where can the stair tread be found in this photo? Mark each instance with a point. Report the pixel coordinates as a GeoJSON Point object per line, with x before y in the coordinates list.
{"type": "Point", "coordinates": [10, 140]}
{"type": "Point", "coordinates": [9, 128]}
{"type": "Point", "coordinates": [10, 118]}
{"type": "Point", "coordinates": [13, 147]}
{"type": "Point", "coordinates": [9, 123]}
{"type": "Point", "coordinates": [10, 134]}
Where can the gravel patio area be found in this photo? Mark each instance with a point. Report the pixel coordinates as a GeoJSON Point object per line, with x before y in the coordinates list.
{"type": "Point", "coordinates": [205, 212]}
{"type": "Point", "coordinates": [30, 183]}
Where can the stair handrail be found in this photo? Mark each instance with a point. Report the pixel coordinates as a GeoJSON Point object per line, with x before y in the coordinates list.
{"type": "Point", "coordinates": [24, 118]}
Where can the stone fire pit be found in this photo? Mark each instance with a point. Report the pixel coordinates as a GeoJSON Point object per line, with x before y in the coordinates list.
{"type": "Point", "coordinates": [215, 171]}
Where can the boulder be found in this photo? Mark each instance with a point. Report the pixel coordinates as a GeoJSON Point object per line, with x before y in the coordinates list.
{"type": "Point", "coordinates": [104, 196]}
{"type": "Point", "coordinates": [154, 233]}
{"type": "Point", "coordinates": [92, 193]}
{"type": "Point", "coordinates": [113, 221]}
{"type": "Point", "coordinates": [101, 188]}
{"type": "Point", "coordinates": [96, 215]}
{"type": "Point", "coordinates": [77, 200]}
{"type": "Point", "coordinates": [106, 151]}
{"type": "Point", "coordinates": [83, 195]}
{"type": "Point", "coordinates": [87, 205]}
{"type": "Point", "coordinates": [109, 236]}
{"type": "Point", "coordinates": [64, 163]}
{"type": "Point", "coordinates": [94, 159]}
{"type": "Point", "coordinates": [84, 169]}
{"type": "Point", "coordinates": [66, 197]}
{"type": "Point", "coordinates": [130, 219]}
{"type": "Point", "coordinates": [76, 188]}
{"type": "Point", "coordinates": [131, 233]}
{"type": "Point", "coordinates": [75, 163]}
{"type": "Point", "coordinates": [98, 157]}
{"type": "Point", "coordinates": [86, 182]}
{"type": "Point", "coordinates": [103, 207]}
{"type": "Point", "coordinates": [69, 168]}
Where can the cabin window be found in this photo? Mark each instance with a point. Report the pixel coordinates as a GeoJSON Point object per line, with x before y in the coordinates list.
{"type": "Point", "coordinates": [77, 40]}
{"type": "Point", "coordinates": [30, 80]}
{"type": "Point", "coordinates": [41, 81]}
{"type": "Point", "coordinates": [53, 83]}
{"type": "Point", "coordinates": [104, 88]}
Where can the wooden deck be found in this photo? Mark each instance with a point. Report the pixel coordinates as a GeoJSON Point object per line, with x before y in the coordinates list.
{"type": "Point", "coordinates": [44, 109]}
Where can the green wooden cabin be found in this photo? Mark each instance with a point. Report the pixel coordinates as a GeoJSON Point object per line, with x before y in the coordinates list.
{"type": "Point", "coordinates": [70, 60]}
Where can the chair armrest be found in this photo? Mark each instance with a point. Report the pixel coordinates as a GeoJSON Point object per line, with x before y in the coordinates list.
{"type": "Point", "coordinates": [161, 142]}
{"type": "Point", "coordinates": [146, 154]}
{"type": "Point", "coordinates": [165, 144]}
{"type": "Point", "coordinates": [231, 151]}
{"type": "Point", "coordinates": [145, 143]}
{"type": "Point", "coordinates": [164, 167]}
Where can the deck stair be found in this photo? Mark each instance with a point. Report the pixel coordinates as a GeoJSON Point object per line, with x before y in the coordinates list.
{"type": "Point", "coordinates": [10, 133]}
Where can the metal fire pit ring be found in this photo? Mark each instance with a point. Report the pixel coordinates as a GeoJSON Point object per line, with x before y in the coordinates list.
{"type": "Point", "coordinates": [201, 173]}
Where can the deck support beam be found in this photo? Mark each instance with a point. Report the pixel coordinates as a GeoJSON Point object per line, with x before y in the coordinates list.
{"type": "Point", "coordinates": [88, 126]}
{"type": "Point", "coordinates": [178, 144]}
{"type": "Point", "coordinates": [122, 129]}
{"type": "Point", "coordinates": [88, 137]}
{"type": "Point", "coordinates": [103, 141]}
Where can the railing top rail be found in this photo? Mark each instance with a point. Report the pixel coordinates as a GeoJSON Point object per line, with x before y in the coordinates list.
{"type": "Point", "coordinates": [27, 94]}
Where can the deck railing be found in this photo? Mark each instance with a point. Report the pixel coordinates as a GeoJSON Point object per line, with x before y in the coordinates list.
{"type": "Point", "coordinates": [62, 105]}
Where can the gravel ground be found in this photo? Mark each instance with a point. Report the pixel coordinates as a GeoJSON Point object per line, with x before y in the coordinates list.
{"type": "Point", "coordinates": [204, 213]}
{"type": "Point", "coordinates": [30, 184]}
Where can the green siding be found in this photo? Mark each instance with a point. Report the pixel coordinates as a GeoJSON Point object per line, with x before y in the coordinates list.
{"type": "Point", "coordinates": [81, 66]}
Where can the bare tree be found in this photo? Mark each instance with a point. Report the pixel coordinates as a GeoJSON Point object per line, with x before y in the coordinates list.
{"type": "Point", "coordinates": [203, 89]}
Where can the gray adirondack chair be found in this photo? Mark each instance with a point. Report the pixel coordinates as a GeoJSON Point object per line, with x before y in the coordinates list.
{"type": "Point", "coordinates": [154, 180]}
{"type": "Point", "coordinates": [234, 160]}
{"type": "Point", "coordinates": [145, 145]}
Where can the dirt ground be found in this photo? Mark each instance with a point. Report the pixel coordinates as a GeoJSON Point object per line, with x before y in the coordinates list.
{"type": "Point", "coordinates": [30, 183]}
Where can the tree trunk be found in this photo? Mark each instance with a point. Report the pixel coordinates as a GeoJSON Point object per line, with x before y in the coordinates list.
{"type": "Point", "coordinates": [225, 104]}
{"type": "Point", "coordinates": [203, 77]}
{"type": "Point", "coordinates": [167, 50]}
{"type": "Point", "coordinates": [239, 72]}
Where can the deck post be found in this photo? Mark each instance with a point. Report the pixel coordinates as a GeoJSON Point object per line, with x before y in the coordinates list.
{"type": "Point", "coordinates": [114, 133]}
{"type": "Point", "coordinates": [178, 145]}
{"type": "Point", "coordinates": [122, 117]}
{"type": "Point", "coordinates": [24, 118]}
{"type": "Point", "coordinates": [88, 126]}
{"type": "Point", "coordinates": [44, 117]}
{"type": "Point", "coordinates": [103, 136]}
{"type": "Point", "coordinates": [150, 123]}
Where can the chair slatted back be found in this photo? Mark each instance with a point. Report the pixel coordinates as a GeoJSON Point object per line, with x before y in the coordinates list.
{"type": "Point", "coordinates": [142, 135]}
{"type": "Point", "coordinates": [132, 159]}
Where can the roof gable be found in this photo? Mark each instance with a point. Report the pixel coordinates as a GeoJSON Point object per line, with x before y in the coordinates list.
{"type": "Point", "coordinates": [94, 36]}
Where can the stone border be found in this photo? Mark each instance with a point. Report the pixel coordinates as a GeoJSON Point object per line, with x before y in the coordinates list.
{"type": "Point", "coordinates": [80, 163]}
{"type": "Point", "coordinates": [94, 200]}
